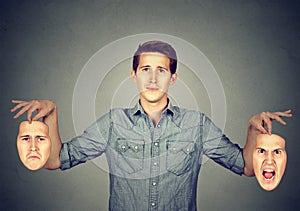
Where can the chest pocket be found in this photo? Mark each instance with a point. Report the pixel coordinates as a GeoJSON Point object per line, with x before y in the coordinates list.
{"type": "Point", "coordinates": [130, 155]}
{"type": "Point", "coordinates": [179, 156]}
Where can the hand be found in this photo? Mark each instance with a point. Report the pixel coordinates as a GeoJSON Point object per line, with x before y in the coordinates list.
{"type": "Point", "coordinates": [43, 107]}
{"type": "Point", "coordinates": [259, 121]}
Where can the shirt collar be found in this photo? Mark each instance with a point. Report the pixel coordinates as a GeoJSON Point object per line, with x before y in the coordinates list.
{"type": "Point", "coordinates": [138, 110]}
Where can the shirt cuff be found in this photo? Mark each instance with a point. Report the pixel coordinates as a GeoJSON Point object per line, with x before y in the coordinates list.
{"type": "Point", "coordinates": [239, 164]}
{"type": "Point", "coordinates": [64, 158]}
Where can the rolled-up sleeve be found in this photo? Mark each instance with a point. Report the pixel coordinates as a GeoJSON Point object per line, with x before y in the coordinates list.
{"type": "Point", "coordinates": [219, 148]}
{"type": "Point", "coordinates": [92, 143]}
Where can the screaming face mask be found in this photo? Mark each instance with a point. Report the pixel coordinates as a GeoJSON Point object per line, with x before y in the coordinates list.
{"type": "Point", "coordinates": [269, 160]}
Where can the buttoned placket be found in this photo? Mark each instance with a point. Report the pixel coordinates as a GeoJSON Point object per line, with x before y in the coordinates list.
{"type": "Point", "coordinates": [155, 166]}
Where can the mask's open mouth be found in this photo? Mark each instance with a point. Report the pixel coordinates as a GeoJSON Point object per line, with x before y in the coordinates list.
{"type": "Point", "coordinates": [268, 174]}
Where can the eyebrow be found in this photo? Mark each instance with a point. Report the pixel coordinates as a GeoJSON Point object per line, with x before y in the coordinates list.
{"type": "Point", "coordinates": [145, 66]}
{"type": "Point", "coordinates": [150, 66]}
{"type": "Point", "coordinates": [38, 136]}
{"type": "Point", "coordinates": [280, 148]}
{"type": "Point", "coordinates": [163, 67]}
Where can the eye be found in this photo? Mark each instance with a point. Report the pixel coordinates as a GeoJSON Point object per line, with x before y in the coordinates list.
{"type": "Point", "coordinates": [260, 151]}
{"type": "Point", "coordinates": [145, 69]}
{"type": "Point", "coordinates": [42, 139]}
{"type": "Point", "coordinates": [25, 139]}
{"type": "Point", "coordinates": [162, 70]}
{"type": "Point", "coordinates": [277, 151]}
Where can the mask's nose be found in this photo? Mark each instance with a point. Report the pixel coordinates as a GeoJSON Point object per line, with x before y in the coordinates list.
{"type": "Point", "coordinates": [33, 146]}
{"type": "Point", "coordinates": [269, 158]}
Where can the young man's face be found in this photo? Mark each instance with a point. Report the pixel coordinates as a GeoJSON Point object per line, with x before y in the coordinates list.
{"type": "Point", "coordinates": [269, 160]}
{"type": "Point", "coordinates": [34, 144]}
{"type": "Point", "coordinates": [153, 77]}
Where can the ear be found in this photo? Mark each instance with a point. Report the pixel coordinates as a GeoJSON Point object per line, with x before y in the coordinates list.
{"type": "Point", "coordinates": [133, 75]}
{"type": "Point", "coordinates": [173, 78]}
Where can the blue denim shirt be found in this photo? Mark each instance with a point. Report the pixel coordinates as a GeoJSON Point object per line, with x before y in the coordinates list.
{"type": "Point", "coordinates": [153, 167]}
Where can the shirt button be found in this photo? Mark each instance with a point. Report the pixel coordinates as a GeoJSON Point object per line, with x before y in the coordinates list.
{"type": "Point", "coordinates": [136, 147]}
{"type": "Point", "coordinates": [156, 144]}
{"type": "Point", "coordinates": [154, 183]}
{"type": "Point", "coordinates": [158, 125]}
{"type": "Point", "coordinates": [155, 164]}
{"type": "Point", "coordinates": [187, 149]}
{"type": "Point", "coordinates": [153, 204]}
{"type": "Point", "coordinates": [123, 146]}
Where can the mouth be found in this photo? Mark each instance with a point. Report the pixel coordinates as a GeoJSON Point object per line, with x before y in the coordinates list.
{"type": "Point", "coordinates": [152, 88]}
{"type": "Point", "coordinates": [33, 157]}
{"type": "Point", "coordinates": [268, 174]}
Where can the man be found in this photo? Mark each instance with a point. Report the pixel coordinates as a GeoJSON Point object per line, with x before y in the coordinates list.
{"type": "Point", "coordinates": [34, 144]}
{"type": "Point", "coordinates": [154, 150]}
{"type": "Point", "coordinates": [269, 160]}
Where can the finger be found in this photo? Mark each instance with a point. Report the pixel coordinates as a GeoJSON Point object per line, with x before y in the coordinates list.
{"type": "Point", "coordinates": [29, 114]}
{"type": "Point", "coordinates": [17, 101]}
{"type": "Point", "coordinates": [38, 116]}
{"type": "Point", "coordinates": [288, 111]}
{"type": "Point", "coordinates": [269, 126]}
{"type": "Point", "coordinates": [30, 111]}
{"type": "Point", "coordinates": [261, 129]}
{"type": "Point", "coordinates": [284, 113]}
{"type": "Point", "coordinates": [277, 117]}
{"type": "Point", "coordinates": [22, 111]}
{"type": "Point", "coordinates": [280, 120]}
{"type": "Point", "coordinates": [29, 117]}
{"type": "Point", "coordinates": [18, 106]}
{"type": "Point", "coordinates": [268, 123]}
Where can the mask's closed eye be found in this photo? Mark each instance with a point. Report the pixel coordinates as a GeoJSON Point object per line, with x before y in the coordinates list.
{"type": "Point", "coordinates": [41, 138]}
{"type": "Point", "coordinates": [25, 138]}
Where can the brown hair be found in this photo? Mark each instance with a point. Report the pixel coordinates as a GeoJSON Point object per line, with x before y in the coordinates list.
{"type": "Point", "coordinates": [159, 47]}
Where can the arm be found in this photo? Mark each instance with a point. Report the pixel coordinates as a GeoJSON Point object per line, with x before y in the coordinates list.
{"type": "Point", "coordinates": [256, 125]}
{"type": "Point", "coordinates": [48, 111]}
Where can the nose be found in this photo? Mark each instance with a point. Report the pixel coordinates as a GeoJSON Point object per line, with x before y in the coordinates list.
{"type": "Point", "coordinates": [153, 76]}
{"type": "Point", "coordinates": [269, 158]}
{"type": "Point", "coordinates": [33, 146]}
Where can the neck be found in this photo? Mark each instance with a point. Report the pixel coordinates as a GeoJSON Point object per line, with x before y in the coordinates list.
{"type": "Point", "coordinates": [154, 109]}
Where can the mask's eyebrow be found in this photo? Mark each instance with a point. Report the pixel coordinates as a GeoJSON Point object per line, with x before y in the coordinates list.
{"type": "Point", "coordinates": [260, 148]}
{"type": "Point", "coordinates": [37, 136]}
{"type": "Point", "coordinates": [279, 148]}
{"type": "Point", "coordinates": [24, 136]}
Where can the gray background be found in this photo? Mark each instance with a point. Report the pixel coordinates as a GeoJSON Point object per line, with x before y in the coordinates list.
{"type": "Point", "coordinates": [253, 45]}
